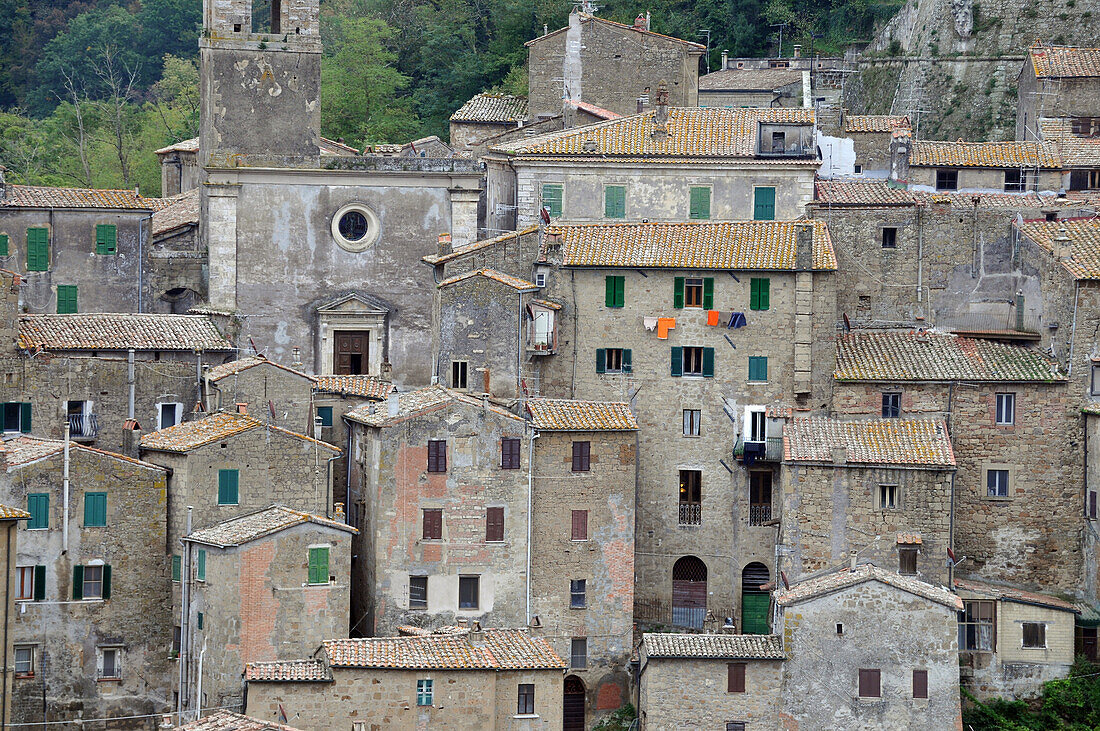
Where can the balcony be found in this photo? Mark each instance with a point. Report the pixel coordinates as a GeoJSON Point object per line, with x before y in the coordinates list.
{"type": "Point", "coordinates": [769, 450]}
{"type": "Point", "coordinates": [83, 426]}
{"type": "Point", "coordinates": [760, 513]}
{"type": "Point", "coordinates": [691, 514]}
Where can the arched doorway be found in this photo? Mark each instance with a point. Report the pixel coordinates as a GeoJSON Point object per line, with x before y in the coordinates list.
{"type": "Point", "coordinates": [573, 708]}
{"type": "Point", "coordinates": [754, 602]}
{"type": "Point", "coordinates": [689, 592]}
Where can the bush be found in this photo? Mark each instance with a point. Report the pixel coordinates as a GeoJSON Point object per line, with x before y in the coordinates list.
{"type": "Point", "coordinates": [618, 720]}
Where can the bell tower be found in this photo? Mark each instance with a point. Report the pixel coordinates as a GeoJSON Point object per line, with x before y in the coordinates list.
{"type": "Point", "coordinates": [260, 83]}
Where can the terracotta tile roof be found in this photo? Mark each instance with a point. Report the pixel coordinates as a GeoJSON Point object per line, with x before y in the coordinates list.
{"type": "Point", "coordinates": [228, 721]}
{"type": "Point", "coordinates": [984, 154]}
{"type": "Point", "coordinates": [182, 210]}
{"type": "Point", "coordinates": [878, 194]}
{"type": "Point", "coordinates": [234, 367]}
{"type": "Point", "coordinates": [459, 251]}
{"type": "Point", "coordinates": [245, 528]}
{"type": "Point", "coordinates": [411, 403]}
{"type": "Point", "coordinates": [296, 671]}
{"type": "Point", "coordinates": [919, 442]}
{"type": "Point", "coordinates": [1013, 594]}
{"type": "Point", "coordinates": [332, 147]}
{"type": "Point", "coordinates": [40, 196]}
{"type": "Point", "coordinates": [493, 109]}
{"type": "Point", "coordinates": [909, 539]}
{"type": "Point", "coordinates": [514, 282]}
{"type": "Point", "coordinates": [905, 355]}
{"type": "Point", "coordinates": [1074, 150]}
{"type": "Point", "coordinates": [749, 79]}
{"type": "Point", "coordinates": [1064, 61]}
{"type": "Point", "coordinates": [572, 415]}
{"type": "Point", "coordinates": [1084, 242]}
{"type": "Point", "coordinates": [592, 109]}
{"type": "Point", "coordinates": [718, 647]}
{"type": "Point", "coordinates": [693, 244]}
{"type": "Point", "coordinates": [9, 513]}
{"type": "Point", "coordinates": [191, 145]}
{"type": "Point", "coordinates": [548, 304]}
{"type": "Point", "coordinates": [24, 450]}
{"type": "Point", "coordinates": [501, 649]}
{"type": "Point", "coordinates": [586, 18]}
{"type": "Point", "coordinates": [694, 134]}
{"type": "Point", "coordinates": [189, 435]}
{"type": "Point", "coordinates": [845, 578]}
{"type": "Point", "coordinates": [364, 386]}
{"type": "Point", "coordinates": [119, 331]}
{"type": "Point", "coordinates": [860, 193]}
{"type": "Point", "coordinates": [874, 122]}
{"type": "Point", "coordinates": [1093, 408]}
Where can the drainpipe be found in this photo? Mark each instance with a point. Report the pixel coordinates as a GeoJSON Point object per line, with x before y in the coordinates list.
{"type": "Point", "coordinates": [198, 682]}
{"type": "Point", "coordinates": [65, 495]}
{"type": "Point", "coordinates": [920, 253]}
{"type": "Point", "coordinates": [1073, 329]}
{"type": "Point", "coordinates": [530, 493]}
{"type": "Point", "coordinates": [12, 525]}
{"type": "Point", "coordinates": [130, 382]}
{"type": "Point", "coordinates": [951, 536]}
{"type": "Point", "coordinates": [185, 584]}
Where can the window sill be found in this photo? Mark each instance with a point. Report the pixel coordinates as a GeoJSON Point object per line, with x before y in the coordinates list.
{"type": "Point", "coordinates": [998, 498]}
{"type": "Point", "coordinates": [575, 608]}
{"type": "Point", "coordinates": [24, 676]}
{"type": "Point", "coordinates": [527, 715]}
{"type": "Point", "coordinates": [869, 700]}
{"type": "Point", "coordinates": [108, 680]}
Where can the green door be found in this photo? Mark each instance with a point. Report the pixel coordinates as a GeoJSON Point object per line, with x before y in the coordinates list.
{"type": "Point", "coordinates": [754, 612]}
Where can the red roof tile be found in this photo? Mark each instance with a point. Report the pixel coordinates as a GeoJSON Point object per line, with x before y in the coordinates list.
{"type": "Point", "coordinates": [499, 649]}
{"type": "Point", "coordinates": [1013, 594]}
{"type": "Point", "coordinates": [1064, 61]}
{"type": "Point", "coordinates": [120, 331]}
{"type": "Point", "coordinates": [40, 196]}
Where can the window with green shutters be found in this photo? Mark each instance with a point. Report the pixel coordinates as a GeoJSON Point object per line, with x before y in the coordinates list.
{"type": "Point", "coordinates": [17, 417]}
{"type": "Point", "coordinates": [758, 368]}
{"type": "Point", "coordinates": [614, 291]}
{"type": "Point", "coordinates": [551, 198]}
{"type": "Point", "coordinates": [106, 239]}
{"type": "Point", "coordinates": [4, 245]}
{"type": "Point", "coordinates": [177, 567]}
{"type": "Point", "coordinates": [38, 505]}
{"type": "Point", "coordinates": [228, 481]}
{"type": "Point", "coordinates": [692, 361]}
{"type": "Point", "coordinates": [39, 583]}
{"type": "Point", "coordinates": [95, 510]}
{"type": "Point", "coordinates": [699, 207]}
{"type": "Point", "coordinates": [200, 565]}
{"type": "Point", "coordinates": [66, 299]}
{"type": "Point", "coordinates": [324, 413]}
{"type": "Point", "coordinates": [614, 360]}
{"type": "Point", "coordinates": [614, 201]}
{"type": "Point", "coordinates": [201, 620]}
{"type": "Point", "coordinates": [708, 293]}
{"type": "Point", "coordinates": [759, 294]}
{"type": "Point", "coordinates": [763, 208]}
{"type": "Point", "coordinates": [693, 292]}
{"type": "Point", "coordinates": [38, 249]}
{"type": "Point", "coordinates": [318, 565]}
{"type": "Point", "coordinates": [92, 582]}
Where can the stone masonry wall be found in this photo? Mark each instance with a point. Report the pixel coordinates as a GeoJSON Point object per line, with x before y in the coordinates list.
{"type": "Point", "coordinates": [692, 693]}
{"type": "Point", "coordinates": [291, 394]}
{"type": "Point", "coordinates": [481, 322]}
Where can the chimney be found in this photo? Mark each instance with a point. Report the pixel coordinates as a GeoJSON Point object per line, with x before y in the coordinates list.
{"type": "Point", "coordinates": [840, 455]}
{"type": "Point", "coordinates": [485, 381]}
{"type": "Point", "coordinates": [1019, 304]}
{"type": "Point", "coordinates": [797, 51]}
{"type": "Point", "coordinates": [1063, 245]}
{"type": "Point", "coordinates": [647, 25]}
{"type": "Point", "coordinates": [242, 407]}
{"type": "Point", "coordinates": [338, 513]}
{"type": "Point", "coordinates": [444, 243]}
{"type": "Point", "coordinates": [392, 405]}
{"type": "Point", "coordinates": [804, 248]}
{"type": "Point", "coordinates": [660, 118]}
{"type": "Point", "coordinates": [852, 561]}
{"type": "Point", "coordinates": [725, 58]}
{"type": "Point", "coordinates": [568, 114]}
{"type": "Point", "coordinates": [131, 438]}
{"type": "Point", "coordinates": [900, 140]}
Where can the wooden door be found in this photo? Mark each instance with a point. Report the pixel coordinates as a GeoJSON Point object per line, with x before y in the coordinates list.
{"type": "Point", "coordinates": [352, 351]}
{"type": "Point", "coordinates": [573, 706]}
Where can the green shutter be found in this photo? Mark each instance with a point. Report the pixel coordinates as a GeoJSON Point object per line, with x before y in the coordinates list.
{"type": "Point", "coordinates": [677, 360]}
{"type": "Point", "coordinates": [551, 198]}
{"type": "Point", "coordinates": [614, 202]}
{"type": "Point", "coordinates": [628, 357]}
{"type": "Point", "coordinates": [708, 362]}
{"type": "Point", "coordinates": [107, 581]}
{"type": "Point", "coordinates": [765, 294]}
{"type": "Point", "coordinates": [609, 291]}
{"type": "Point", "coordinates": [228, 493]}
{"type": "Point", "coordinates": [25, 418]}
{"type": "Point", "coordinates": [325, 412]}
{"type": "Point", "coordinates": [3, 244]}
{"type": "Point", "coordinates": [106, 239]}
{"type": "Point", "coordinates": [95, 509]}
{"type": "Point", "coordinates": [318, 565]}
{"type": "Point", "coordinates": [759, 294]}
{"type": "Point", "coordinates": [39, 583]}
{"type": "Point", "coordinates": [38, 505]}
{"type": "Point", "coordinates": [708, 293]}
{"type": "Point", "coordinates": [700, 203]}
{"type": "Point", "coordinates": [763, 204]}
{"type": "Point", "coordinates": [177, 567]}
{"type": "Point", "coordinates": [620, 291]}
{"type": "Point", "coordinates": [38, 249]}
{"type": "Point", "coordinates": [758, 368]}
{"type": "Point", "coordinates": [678, 293]}
{"type": "Point", "coordinates": [200, 565]}
{"type": "Point", "coordinates": [78, 583]}
{"type": "Point", "coordinates": [66, 299]}
{"type": "Point", "coordinates": [200, 620]}
{"type": "Point", "coordinates": [601, 360]}
{"type": "Point", "coordinates": [754, 612]}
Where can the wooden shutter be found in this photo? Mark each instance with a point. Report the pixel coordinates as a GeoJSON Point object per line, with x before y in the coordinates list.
{"type": "Point", "coordinates": [78, 583]}
{"type": "Point", "coordinates": [620, 291]}
{"type": "Point", "coordinates": [765, 294]}
{"type": "Point", "coordinates": [628, 360]}
{"type": "Point", "coordinates": [581, 454]}
{"type": "Point", "coordinates": [920, 683]}
{"type": "Point", "coordinates": [708, 362]}
{"type": "Point", "coordinates": [700, 203]}
{"type": "Point", "coordinates": [200, 567]}
{"type": "Point", "coordinates": [38, 249]}
{"type": "Point", "coordinates": [106, 581]}
{"type": "Point", "coordinates": [177, 568]}
{"type": "Point", "coordinates": [758, 368]}
{"type": "Point", "coordinates": [433, 524]}
{"type": "Point", "coordinates": [39, 583]}
{"type": "Point", "coordinates": [735, 677]}
{"type": "Point", "coordinates": [580, 525]}
{"type": "Point", "coordinates": [678, 293]}
{"type": "Point", "coordinates": [1092, 505]}
{"type": "Point", "coordinates": [25, 418]}
{"type": "Point", "coordinates": [437, 455]}
{"type": "Point", "coordinates": [66, 299]}
{"type": "Point", "coordinates": [677, 360]}
{"type": "Point", "coordinates": [601, 360]}
{"type": "Point", "coordinates": [614, 201]}
{"type": "Point", "coordinates": [228, 487]}
{"type": "Point", "coordinates": [3, 244]}
{"type": "Point", "coordinates": [764, 204]}
{"type": "Point", "coordinates": [609, 291]}
{"type": "Point", "coordinates": [708, 293]}
{"type": "Point", "coordinates": [494, 524]}
{"type": "Point", "coordinates": [318, 565]}
{"type": "Point", "coordinates": [869, 684]}
{"type": "Point", "coordinates": [551, 198]}
{"type": "Point", "coordinates": [509, 453]}
{"type": "Point", "coordinates": [106, 239]}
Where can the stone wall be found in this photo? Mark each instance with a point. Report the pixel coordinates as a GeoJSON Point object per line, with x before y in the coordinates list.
{"type": "Point", "coordinates": [1038, 98]}
{"type": "Point", "coordinates": [677, 693]}
{"type": "Point", "coordinates": [982, 179]}
{"type": "Point", "coordinates": [291, 395]}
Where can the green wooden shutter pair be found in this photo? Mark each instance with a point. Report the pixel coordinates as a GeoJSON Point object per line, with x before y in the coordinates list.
{"type": "Point", "coordinates": [700, 203]}
{"type": "Point", "coordinates": [614, 291]}
{"type": "Point", "coordinates": [38, 249]}
{"type": "Point", "coordinates": [39, 583]}
{"type": "Point", "coordinates": [95, 509]}
{"type": "Point", "coordinates": [318, 565]}
{"type": "Point", "coordinates": [759, 294]}
{"type": "Point", "coordinates": [66, 299]}
{"type": "Point", "coordinates": [106, 239]}
{"type": "Point", "coordinates": [177, 567]}
{"type": "Point", "coordinates": [25, 418]}
{"type": "Point", "coordinates": [614, 201]}
{"type": "Point", "coordinates": [677, 361]}
{"type": "Point", "coordinates": [708, 293]}
{"type": "Point", "coordinates": [325, 414]}
{"type": "Point", "coordinates": [678, 293]}
{"type": "Point", "coordinates": [551, 198]}
{"type": "Point", "coordinates": [628, 360]}
{"type": "Point", "coordinates": [3, 245]}
{"type": "Point", "coordinates": [228, 487]}
{"type": "Point", "coordinates": [758, 368]}
{"type": "Point", "coordinates": [78, 583]}
{"type": "Point", "coordinates": [763, 204]}
{"type": "Point", "coordinates": [200, 565]}
{"type": "Point", "coordinates": [38, 505]}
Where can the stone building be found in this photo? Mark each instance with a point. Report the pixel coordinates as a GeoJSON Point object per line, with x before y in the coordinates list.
{"type": "Point", "coordinates": [868, 648]}
{"type": "Point", "coordinates": [476, 679]}
{"type": "Point", "coordinates": [334, 396]}
{"type": "Point", "coordinates": [1011, 641]}
{"type": "Point", "coordinates": [176, 265]}
{"type": "Point", "coordinates": [977, 167]}
{"type": "Point", "coordinates": [1078, 144]}
{"type": "Point", "coordinates": [877, 488]}
{"type": "Point", "coordinates": [484, 116]}
{"type": "Point", "coordinates": [709, 681]}
{"type": "Point", "coordinates": [266, 586]}
{"type": "Point", "coordinates": [1057, 82]}
{"type": "Point", "coordinates": [229, 721]}
{"type": "Point", "coordinates": [583, 483]}
{"type": "Point", "coordinates": [92, 629]}
{"type": "Point", "coordinates": [9, 520]}
{"type": "Point", "coordinates": [262, 386]}
{"type": "Point", "coordinates": [734, 88]}
{"type": "Point", "coordinates": [861, 146]}
{"type": "Point", "coordinates": [342, 229]}
{"type": "Point", "coordinates": [666, 164]}
{"type": "Point", "coordinates": [610, 65]}
{"type": "Point", "coordinates": [180, 171]}
{"type": "Point", "coordinates": [1015, 433]}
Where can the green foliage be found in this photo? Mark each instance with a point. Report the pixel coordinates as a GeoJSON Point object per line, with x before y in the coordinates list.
{"type": "Point", "coordinates": [1071, 703]}
{"type": "Point", "coordinates": [618, 720]}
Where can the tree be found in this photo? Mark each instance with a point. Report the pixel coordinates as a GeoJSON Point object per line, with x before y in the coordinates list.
{"type": "Point", "coordinates": [169, 27]}
{"type": "Point", "coordinates": [175, 99]}
{"type": "Point", "coordinates": [120, 116]}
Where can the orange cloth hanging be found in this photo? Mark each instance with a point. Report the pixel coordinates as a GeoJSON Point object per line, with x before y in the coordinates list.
{"type": "Point", "coordinates": [712, 317]}
{"type": "Point", "coordinates": [664, 324]}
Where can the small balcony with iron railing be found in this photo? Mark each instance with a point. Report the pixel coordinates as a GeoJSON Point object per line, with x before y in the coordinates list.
{"type": "Point", "coordinates": [768, 450]}
{"type": "Point", "coordinates": [83, 426]}
{"type": "Point", "coordinates": [691, 514]}
{"type": "Point", "coordinates": [760, 513]}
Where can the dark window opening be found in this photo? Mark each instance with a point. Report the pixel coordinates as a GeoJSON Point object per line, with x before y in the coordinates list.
{"type": "Point", "coordinates": [889, 238]}
{"type": "Point", "coordinates": [691, 497]}
{"type": "Point", "coordinates": [907, 561]}
{"type": "Point", "coordinates": [525, 706]}
{"type": "Point", "coordinates": [433, 524]}
{"type": "Point", "coordinates": [578, 594]}
{"type": "Point", "coordinates": [468, 592]}
{"type": "Point", "coordinates": [509, 453]}
{"type": "Point", "coordinates": [693, 361]}
{"type": "Point", "coordinates": [760, 497]}
{"type": "Point", "coordinates": [976, 626]}
{"type": "Point", "coordinates": [582, 456]}
{"type": "Point", "coordinates": [418, 592]}
{"type": "Point", "coordinates": [437, 455]}
{"type": "Point", "coordinates": [693, 292]}
{"type": "Point", "coordinates": [459, 374]}
{"type": "Point", "coordinates": [947, 180]}
{"type": "Point", "coordinates": [870, 683]}
{"type": "Point", "coordinates": [353, 226]}
{"type": "Point", "coordinates": [352, 348]}
{"type": "Point", "coordinates": [891, 405]}
{"type": "Point", "coordinates": [920, 683]}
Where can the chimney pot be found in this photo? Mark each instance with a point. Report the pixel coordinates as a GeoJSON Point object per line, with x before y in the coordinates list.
{"type": "Point", "coordinates": [392, 405]}
{"type": "Point", "coordinates": [840, 455]}
{"type": "Point", "coordinates": [797, 51]}
{"type": "Point", "coordinates": [444, 243]}
{"type": "Point", "coordinates": [338, 512]}
{"type": "Point", "coordinates": [725, 59]}
{"type": "Point", "coordinates": [242, 407]}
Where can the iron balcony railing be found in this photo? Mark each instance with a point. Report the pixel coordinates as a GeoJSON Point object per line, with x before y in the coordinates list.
{"type": "Point", "coordinates": [83, 425]}
{"type": "Point", "coordinates": [691, 514]}
{"type": "Point", "coordinates": [760, 513]}
{"type": "Point", "coordinates": [769, 450]}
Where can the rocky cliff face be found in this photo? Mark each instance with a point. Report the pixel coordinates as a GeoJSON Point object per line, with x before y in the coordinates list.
{"type": "Point", "coordinates": [952, 64]}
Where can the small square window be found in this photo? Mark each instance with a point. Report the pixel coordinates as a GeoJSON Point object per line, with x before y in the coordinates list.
{"type": "Point", "coordinates": [24, 661]}
{"type": "Point", "coordinates": [169, 415]}
{"type": "Point", "coordinates": [737, 725]}
{"type": "Point", "coordinates": [857, 169]}
{"type": "Point", "coordinates": [996, 483]}
{"type": "Point", "coordinates": [947, 180]}
{"type": "Point", "coordinates": [1035, 635]}
{"type": "Point", "coordinates": [468, 592]}
{"type": "Point", "coordinates": [891, 405]}
{"type": "Point", "coordinates": [540, 279]}
{"type": "Point", "coordinates": [577, 594]}
{"type": "Point", "coordinates": [110, 663]}
{"type": "Point", "coordinates": [1095, 389]}
{"type": "Point", "coordinates": [888, 497]}
{"type": "Point", "coordinates": [418, 592]}
{"type": "Point", "coordinates": [693, 292]}
{"type": "Point", "coordinates": [578, 652]}
{"type": "Point", "coordinates": [1006, 409]}
{"type": "Point", "coordinates": [613, 362]}
{"type": "Point", "coordinates": [692, 419]}
{"type": "Point", "coordinates": [423, 692]}
{"type": "Point", "coordinates": [460, 374]}
{"type": "Point", "coordinates": [889, 238]}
